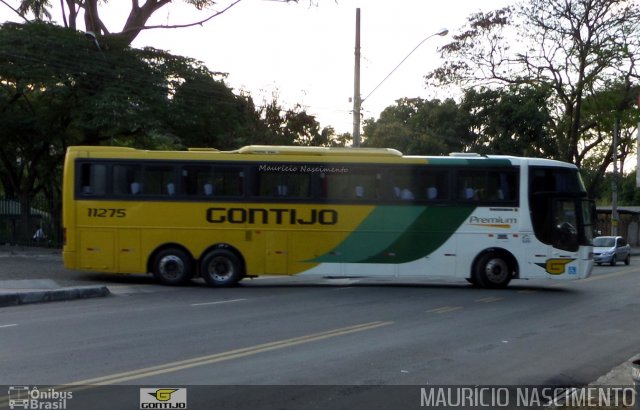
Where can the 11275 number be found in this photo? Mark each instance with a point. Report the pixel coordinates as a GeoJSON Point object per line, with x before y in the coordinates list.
{"type": "Point", "coordinates": [107, 212]}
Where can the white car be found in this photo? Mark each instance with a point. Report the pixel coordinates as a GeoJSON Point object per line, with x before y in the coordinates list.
{"type": "Point", "coordinates": [611, 249]}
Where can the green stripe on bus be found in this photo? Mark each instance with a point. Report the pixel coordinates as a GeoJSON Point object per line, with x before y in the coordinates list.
{"type": "Point", "coordinates": [430, 231]}
{"type": "Point", "coordinates": [398, 234]}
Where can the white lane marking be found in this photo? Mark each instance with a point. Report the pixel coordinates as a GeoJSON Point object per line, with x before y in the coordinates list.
{"type": "Point", "coordinates": [10, 325]}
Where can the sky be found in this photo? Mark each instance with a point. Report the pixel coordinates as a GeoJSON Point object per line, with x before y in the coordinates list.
{"type": "Point", "coordinates": [306, 54]}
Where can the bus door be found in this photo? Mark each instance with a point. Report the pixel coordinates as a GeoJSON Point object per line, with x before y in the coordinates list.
{"type": "Point", "coordinates": [96, 249]}
{"type": "Point", "coordinates": [129, 250]}
{"type": "Point", "coordinates": [276, 252]}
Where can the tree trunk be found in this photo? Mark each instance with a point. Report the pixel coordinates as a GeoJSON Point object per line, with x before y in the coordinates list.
{"type": "Point", "coordinates": [138, 18]}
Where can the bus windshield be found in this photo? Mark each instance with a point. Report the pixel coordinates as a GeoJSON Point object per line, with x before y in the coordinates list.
{"type": "Point", "coordinates": [561, 215]}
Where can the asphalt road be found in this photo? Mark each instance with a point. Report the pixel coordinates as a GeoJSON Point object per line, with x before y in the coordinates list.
{"type": "Point", "coordinates": [302, 332]}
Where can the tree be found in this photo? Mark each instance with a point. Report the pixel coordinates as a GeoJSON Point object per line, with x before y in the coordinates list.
{"type": "Point", "coordinates": [57, 90]}
{"type": "Point", "coordinates": [418, 126]}
{"type": "Point", "coordinates": [291, 126]}
{"type": "Point", "coordinates": [573, 48]}
{"type": "Point", "coordinates": [510, 121]}
{"type": "Point", "coordinates": [205, 112]}
{"type": "Point", "coordinates": [33, 112]}
{"type": "Point", "coordinates": [139, 14]}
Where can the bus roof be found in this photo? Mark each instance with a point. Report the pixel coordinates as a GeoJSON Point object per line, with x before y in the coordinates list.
{"type": "Point", "coordinates": [358, 154]}
{"type": "Point", "coordinates": [298, 150]}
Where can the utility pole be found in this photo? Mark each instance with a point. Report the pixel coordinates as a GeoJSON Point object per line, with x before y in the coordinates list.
{"type": "Point", "coordinates": [357, 102]}
{"type": "Point", "coordinates": [638, 151]}
{"type": "Point", "coordinates": [614, 184]}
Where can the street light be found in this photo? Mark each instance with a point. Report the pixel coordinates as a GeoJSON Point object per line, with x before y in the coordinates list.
{"type": "Point", "coordinates": [90, 35]}
{"type": "Point", "coordinates": [442, 32]}
{"type": "Point", "coordinates": [357, 100]}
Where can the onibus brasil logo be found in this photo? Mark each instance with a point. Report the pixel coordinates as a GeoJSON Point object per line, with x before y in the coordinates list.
{"type": "Point", "coordinates": [26, 397]}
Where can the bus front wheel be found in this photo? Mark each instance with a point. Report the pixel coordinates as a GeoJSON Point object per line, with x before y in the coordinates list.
{"type": "Point", "coordinates": [172, 266]}
{"type": "Point", "coordinates": [492, 271]}
{"type": "Point", "coordinates": [221, 268]}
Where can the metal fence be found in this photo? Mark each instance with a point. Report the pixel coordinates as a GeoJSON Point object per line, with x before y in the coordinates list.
{"type": "Point", "coordinates": [30, 223]}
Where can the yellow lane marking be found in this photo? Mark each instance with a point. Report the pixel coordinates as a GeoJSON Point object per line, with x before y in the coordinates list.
{"type": "Point", "coordinates": [605, 276]}
{"type": "Point", "coordinates": [229, 355]}
{"type": "Point", "coordinates": [444, 309]}
{"type": "Point", "coordinates": [220, 302]}
{"type": "Point", "coordinates": [489, 299]}
{"type": "Point", "coordinates": [594, 278]}
{"type": "Point", "coordinates": [204, 360]}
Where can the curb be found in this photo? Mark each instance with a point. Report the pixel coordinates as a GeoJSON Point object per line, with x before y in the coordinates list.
{"type": "Point", "coordinates": [619, 375]}
{"type": "Point", "coordinates": [52, 295]}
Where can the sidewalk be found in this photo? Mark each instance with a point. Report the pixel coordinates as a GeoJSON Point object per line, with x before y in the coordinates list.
{"type": "Point", "coordinates": [20, 292]}
{"type": "Point", "coordinates": [40, 288]}
{"type": "Point", "coordinates": [18, 287]}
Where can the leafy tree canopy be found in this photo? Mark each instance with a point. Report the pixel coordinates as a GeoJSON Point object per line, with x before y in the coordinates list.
{"type": "Point", "coordinates": [574, 51]}
{"type": "Point", "coordinates": [139, 14]}
{"type": "Point", "coordinates": [418, 126]}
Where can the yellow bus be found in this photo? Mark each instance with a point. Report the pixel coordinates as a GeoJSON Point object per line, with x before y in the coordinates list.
{"type": "Point", "coordinates": [276, 210]}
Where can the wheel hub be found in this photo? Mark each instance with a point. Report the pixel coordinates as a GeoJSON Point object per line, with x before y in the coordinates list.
{"type": "Point", "coordinates": [171, 266]}
{"type": "Point", "coordinates": [496, 270]}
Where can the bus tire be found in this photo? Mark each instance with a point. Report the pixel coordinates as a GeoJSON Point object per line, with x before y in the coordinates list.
{"type": "Point", "coordinates": [492, 271]}
{"type": "Point", "coordinates": [221, 268]}
{"type": "Point", "coordinates": [172, 266]}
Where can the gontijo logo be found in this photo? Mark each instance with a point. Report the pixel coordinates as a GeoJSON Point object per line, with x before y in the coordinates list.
{"type": "Point", "coordinates": [163, 398]}
{"type": "Point", "coordinates": [556, 266]}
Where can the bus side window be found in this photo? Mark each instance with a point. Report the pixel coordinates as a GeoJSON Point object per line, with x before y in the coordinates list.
{"type": "Point", "coordinates": [126, 179]}
{"type": "Point", "coordinates": [157, 179]}
{"type": "Point", "coordinates": [93, 179]}
{"type": "Point", "coordinates": [471, 185]}
{"type": "Point", "coordinates": [136, 188]}
{"type": "Point", "coordinates": [468, 193]}
{"type": "Point", "coordinates": [226, 181]}
{"type": "Point", "coordinates": [281, 190]}
{"type": "Point", "coordinates": [365, 184]}
{"type": "Point", "coordinates": [335, 186]}
{"type": "Point", "coordinates": [407, 195]}
{"type": "Point", "coordinates": [194, 180]}
{"type": "Point", "coordinates": [283, 184]}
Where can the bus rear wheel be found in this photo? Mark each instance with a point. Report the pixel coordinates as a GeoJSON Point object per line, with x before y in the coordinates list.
{"type": "Point", "coordinates": [492, 271]}
{"type": "Point", "coordinates": [221, 268]}
{"type": "Point", "coordinates": [172, 267]}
